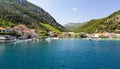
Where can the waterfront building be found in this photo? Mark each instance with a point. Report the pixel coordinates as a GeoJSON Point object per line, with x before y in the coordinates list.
{"type": "Point", "coordinates": [2, 29]}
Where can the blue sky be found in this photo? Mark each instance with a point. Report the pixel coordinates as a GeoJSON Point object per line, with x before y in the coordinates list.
{"type": "Point", "coordinates": [65, 11]}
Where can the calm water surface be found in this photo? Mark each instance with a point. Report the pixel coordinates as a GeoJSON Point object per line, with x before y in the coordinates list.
{"type": "Point", "coordinates": [61, 54]}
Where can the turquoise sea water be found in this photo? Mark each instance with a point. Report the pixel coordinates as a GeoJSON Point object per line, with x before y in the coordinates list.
{"type": "Point", "coordinates": [61, 54]}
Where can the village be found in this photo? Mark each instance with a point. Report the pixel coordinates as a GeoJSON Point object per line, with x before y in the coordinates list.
{"type": "Point", "coordinates": [93, 35]}
{"type": "Point", "coordinates": [22, 32]}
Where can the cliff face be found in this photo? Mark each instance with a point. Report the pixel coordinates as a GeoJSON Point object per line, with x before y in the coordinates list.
{"type": "Point", "coordinates": [22, 11]}
{"type": "Point", "coordinates": [22, 2]}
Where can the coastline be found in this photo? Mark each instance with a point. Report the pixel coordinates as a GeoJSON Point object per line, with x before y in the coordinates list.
{"type": "Point", "coordinates": [53, 38]}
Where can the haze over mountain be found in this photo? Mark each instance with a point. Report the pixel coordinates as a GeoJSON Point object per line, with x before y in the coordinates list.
{"type": "Point", "coordinates": [73, 26]}
{"type": "Point", "coordinates": [14, 12]}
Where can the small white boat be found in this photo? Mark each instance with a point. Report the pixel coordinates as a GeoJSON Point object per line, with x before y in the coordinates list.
{"type": "Point", "coordinates": [3, 38]}
{"type": "Point", "coordinates": [19, 41]}
{"type": "Point", "coordinates": [48, 39]}
{"type": "Point", "coordinates": [27, 40]}
{"type": "Point", "coordinates": [56, 38]}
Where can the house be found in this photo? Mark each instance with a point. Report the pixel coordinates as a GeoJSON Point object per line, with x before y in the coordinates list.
{"type": "Point", "coordinates": [2, 29]}
{"type": "Point", "coordinates": [68, 34]}
{"type": "Point", "coordinates": [21, 30]}
{"type": "Point", "coordinates": [17, 30]}
{"type": "Point", "coordinates": [26, 34]}
{"type": "Point", "coordinates": [82, 35]}
{"type": "Point", "coordinates": [118, 35]}
{"type": "Point", "coordinates": [5, 33]}
{"type": "Point", "coordinates": [35, 35]}
{"type": "Point", "coordinates": [97, 35]}
{"type": "Point", "coordinates": [71, 34]}
{"type": "Point", "coordinates": [9, 29]}
{"type": "Point", "coordinates": [51, 33]}
{"type": "Point", "coordinates": [90, 35]}
{"type": "Point", "coordinates": [113, 35]}
{"type": "Point", "coordinates": [64, 34]}
{"type": "Point", "coordinates": [23, 27]}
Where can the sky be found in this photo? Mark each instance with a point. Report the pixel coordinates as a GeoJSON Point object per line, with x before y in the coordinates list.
{"type": "Point", "coordinates": [78, 11]}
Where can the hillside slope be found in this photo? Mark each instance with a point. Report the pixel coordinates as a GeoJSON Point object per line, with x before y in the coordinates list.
{"type": "Point", "coordinates": [72, 26]}
{"type": "Point", "coordinates": [108, 24]}
{"type": "Point", "coordinates": [15, 12]}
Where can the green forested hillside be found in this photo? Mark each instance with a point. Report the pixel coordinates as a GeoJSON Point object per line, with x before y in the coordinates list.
{"type": "Point", "coordinates": [51, 28]}
{"type": "Point", "coordinates": [91, 26]}
{"type": "Point", "coordinates": [73, 26]}
{"type": "Point", "coordinates": [108, 24]}
{"type": "Point", "coordinates": [14, 12]}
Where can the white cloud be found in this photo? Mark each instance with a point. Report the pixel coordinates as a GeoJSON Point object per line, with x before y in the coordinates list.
{"type": "Point", "coordinates": [74, 9]}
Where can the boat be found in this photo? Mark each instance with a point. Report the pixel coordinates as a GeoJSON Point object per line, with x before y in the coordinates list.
{"type": "Point", "coordinates": [22, 40]}
{"type": "Point", "coordinates": [56, 38]}
{"type": "Point", "coordinates": [48, 39]}
{"type": "Point", "coordinates": [3, 38]}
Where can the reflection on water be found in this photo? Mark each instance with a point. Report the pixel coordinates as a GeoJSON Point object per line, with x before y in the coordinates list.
{"type": "Point", "coordinates": [2, 41]}
{"type": "Point", "coordinates": [1, 49]}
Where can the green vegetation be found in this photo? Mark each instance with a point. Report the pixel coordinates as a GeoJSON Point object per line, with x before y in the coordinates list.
{"type": "Point", "coordinates": [6, 24]}
{"type": "Point", "coordinates": [50, 28]}
{"type": "Point", "coordinates": [102, 36]}
{"type": "Point", "coordinates": [109, 24]}
{"type": "Point", "coordinates": [13, 13]}
{"type": "Point", "coordinates": [73, 26]}
{"type": "Point", "coordinates": [90, 27]}
{"type": "Point", "coordinates": [43, 34]}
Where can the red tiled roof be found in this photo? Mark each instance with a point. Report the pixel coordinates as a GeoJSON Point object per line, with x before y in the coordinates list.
{"type": "Point", "coordinates": [25, 31]}
{"type": "Point", "coordinates": [1, 28]}
{"type": "Point", "coordinates": [22, 26]}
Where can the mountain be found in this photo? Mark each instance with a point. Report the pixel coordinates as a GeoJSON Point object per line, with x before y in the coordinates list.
{"type": "Point", "coordinates": [72, 26]}
{"type": "Point", "coordinates": [109, 24]}
{"type": "Point", "coordinates": [14, 12]}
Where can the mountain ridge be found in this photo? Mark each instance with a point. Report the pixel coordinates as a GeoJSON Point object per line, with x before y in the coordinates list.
{"type": "Point", "coordinates": [24, 12]}
{"type": "Point", "coordinates": [109, 24]}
